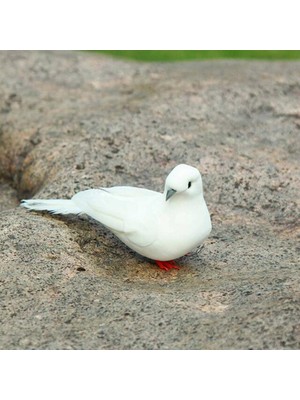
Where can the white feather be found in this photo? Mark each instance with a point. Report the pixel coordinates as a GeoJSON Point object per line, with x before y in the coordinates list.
{"type": "Point", "coordinates": [55, 206]}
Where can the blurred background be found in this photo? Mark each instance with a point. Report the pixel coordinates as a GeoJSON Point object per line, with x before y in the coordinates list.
{"type": "Point", "coordinates": [182, 55]}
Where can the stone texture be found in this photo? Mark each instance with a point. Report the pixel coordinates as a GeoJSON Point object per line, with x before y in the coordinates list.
{"type": "Point", "coordinates": [71, 121]}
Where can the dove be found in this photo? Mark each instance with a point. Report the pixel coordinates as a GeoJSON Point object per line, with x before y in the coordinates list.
{"type": "Point", "coordinates": [159, 226]}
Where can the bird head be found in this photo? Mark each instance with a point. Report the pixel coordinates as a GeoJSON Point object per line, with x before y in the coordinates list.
{"type": "Point", "coordinates": [185, 180]}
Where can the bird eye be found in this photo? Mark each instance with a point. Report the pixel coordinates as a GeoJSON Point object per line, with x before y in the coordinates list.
{"type": "Point", "coordinates": [189, 185]}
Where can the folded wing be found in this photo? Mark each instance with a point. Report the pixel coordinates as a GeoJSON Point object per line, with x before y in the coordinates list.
{"type": "Point", "coordinates": [127, 211]}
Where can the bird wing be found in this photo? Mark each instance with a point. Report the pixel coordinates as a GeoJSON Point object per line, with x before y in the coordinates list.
{"type": "Point", "coordinates": [132, 192]}
{"type": "Point", "coordinates": [124, 210]}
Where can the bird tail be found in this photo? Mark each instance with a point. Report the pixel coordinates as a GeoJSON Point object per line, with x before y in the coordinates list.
{"type": "Point", "coordinates": [55, 206]}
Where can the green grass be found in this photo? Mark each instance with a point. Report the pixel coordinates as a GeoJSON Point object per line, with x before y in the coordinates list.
{"type": "Point", "coordinates": [181, 55]}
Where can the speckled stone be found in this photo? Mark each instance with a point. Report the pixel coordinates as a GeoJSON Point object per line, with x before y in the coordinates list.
{"type": "Point", "coordinates": [70, 121]}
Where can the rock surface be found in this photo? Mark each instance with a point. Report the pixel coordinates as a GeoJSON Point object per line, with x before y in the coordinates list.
{"type": "Point", "coordinates": [71, 121]}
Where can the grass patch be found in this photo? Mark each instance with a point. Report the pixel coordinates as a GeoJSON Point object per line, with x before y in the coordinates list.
{"type": "Point", "coordinates": [182, 55]}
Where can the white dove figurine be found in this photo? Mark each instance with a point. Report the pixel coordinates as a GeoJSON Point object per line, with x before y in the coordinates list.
{"type": "Point", "coordinates": [159, 226]}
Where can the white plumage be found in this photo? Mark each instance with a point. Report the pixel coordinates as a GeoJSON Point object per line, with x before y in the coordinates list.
{"type": "Point", "coordinates": [160, 226]}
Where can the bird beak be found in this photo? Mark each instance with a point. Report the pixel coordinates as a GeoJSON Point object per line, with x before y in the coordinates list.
{"type": "Point", "coordinates": [170, 193]}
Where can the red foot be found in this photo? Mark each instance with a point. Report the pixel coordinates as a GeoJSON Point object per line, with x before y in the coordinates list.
{"type": "Point", "coordinates": [166, 265]}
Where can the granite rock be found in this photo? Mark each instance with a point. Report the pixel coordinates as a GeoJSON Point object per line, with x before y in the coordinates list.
{"type": "Point", "coordinates": [71, 121]}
